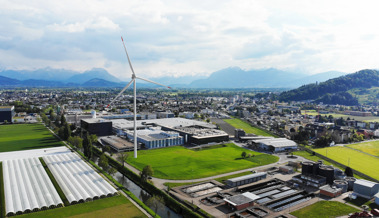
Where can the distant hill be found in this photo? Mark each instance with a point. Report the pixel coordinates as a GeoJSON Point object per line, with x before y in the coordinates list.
{"type": "Point", "coordinates": [5, 81]}
{"type": "Point", "coordinates": [96, 82]}
{"type": "Point", "coordinates": [40, 74]}
{"type": "Point", "coordinates": [92, 74]}
{"type": "Point", "coordinates": [334, 91]}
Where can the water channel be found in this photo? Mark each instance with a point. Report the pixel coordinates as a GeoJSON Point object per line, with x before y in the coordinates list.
{"type": "Point", "coordinates": [162, 211]}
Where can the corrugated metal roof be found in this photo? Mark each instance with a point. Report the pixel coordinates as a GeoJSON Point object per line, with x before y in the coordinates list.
{"type": "Point", "coordinates": [241, 178]}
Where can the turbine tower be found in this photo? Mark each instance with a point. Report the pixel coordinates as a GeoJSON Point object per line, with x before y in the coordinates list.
{"type": "Point", "coordinates": [134, 81]}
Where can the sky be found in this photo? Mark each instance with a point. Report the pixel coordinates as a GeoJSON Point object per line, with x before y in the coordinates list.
{"type": "Point", "coordinates": [191, 37]}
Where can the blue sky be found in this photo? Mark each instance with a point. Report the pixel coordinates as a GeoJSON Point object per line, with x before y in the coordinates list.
{"type": "Point", "coordinates": [189, 37]}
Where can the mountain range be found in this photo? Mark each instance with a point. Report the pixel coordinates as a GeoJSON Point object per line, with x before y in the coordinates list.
{"type": "Point", "coordinates": [232, 77]}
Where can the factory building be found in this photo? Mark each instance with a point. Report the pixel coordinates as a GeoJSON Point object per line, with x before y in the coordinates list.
{"type": "Point", "coordinates": [117, 144]}
{"type": "Point", "coordinates": [241, 201]}
{"type": "Point", "coordinates": [99, 127]}
{"type": "Point", "coordinates": [330, 191]}
{"type": "Point", "coordinates": [242, 180]}
{"type": "Point", "coordinates": [198, 136]}
{"type": "Point", "coordinates": [154, 137]}
{"type": "Point", "coordinates": [365, 188]}
{"type": "Point", "coordinates": [275, 144]}
{"type": "Point", "coordinates": [6, 114]}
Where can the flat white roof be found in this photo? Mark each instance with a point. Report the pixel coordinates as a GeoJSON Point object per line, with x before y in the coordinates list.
{"type": "Point", "coordinates": [33, 153]}
{"type": "Point", "coordinates": [27, 186]}
{"type": "Point", "coordinates": [241, 178]}
{"type": "Point", "coordinates": [276, 142]}
{"type": "Point", "coordinates": [78, 181]}
{"type": "Point", "coordinates": [365, 183]}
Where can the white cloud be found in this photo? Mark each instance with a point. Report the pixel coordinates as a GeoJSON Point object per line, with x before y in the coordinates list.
{"type": "Point", "coordinates": [185, 37]}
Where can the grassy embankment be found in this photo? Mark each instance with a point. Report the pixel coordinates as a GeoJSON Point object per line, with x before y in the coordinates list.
{"type": "Point", "coordinates": [371, 147]}
{"type": "Point", "coordinates": [323, 209]}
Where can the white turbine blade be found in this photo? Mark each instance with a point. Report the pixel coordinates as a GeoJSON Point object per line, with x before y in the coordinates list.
{"type": "Point", "coordinates": [121, 92]}
{"type": "Point", "coordinates": [153, 82]}
{"type": "Point", "coordinates": [126, 52]}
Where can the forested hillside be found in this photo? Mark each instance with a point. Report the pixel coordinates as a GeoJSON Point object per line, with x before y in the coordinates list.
{"type": "Point", "coordinates": [334, 91]}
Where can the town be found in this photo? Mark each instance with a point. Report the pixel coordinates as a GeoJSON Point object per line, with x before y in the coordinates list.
{"type": "Point", "coordinates": [279, 157]}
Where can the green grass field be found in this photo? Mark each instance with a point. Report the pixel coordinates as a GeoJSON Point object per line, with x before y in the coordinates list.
{"type": "Point", "coordinates": [240, 124]}
{"type": "Point", "coordinates": [357, 160]}
{"type": "Point", "coordinates": [117, 206]}
{"type": "Point", "coordinates": [359, 118]}
{"type": "Point", "coordinates": [367, 147]}
{"type": "Point", "coordinates": [323, 209]}
{"type": "Point", "coordinates": [181, 163]}
{"type": "Point", "coordinates": [26, 136]}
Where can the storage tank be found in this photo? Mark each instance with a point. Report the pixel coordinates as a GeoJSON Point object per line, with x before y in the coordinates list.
{"type": "Point", "coordinates": [327, 172]}
{"type": "Point", "coordinates": [307, 167]}
{"type": "Point", "coordinates": [339, 174]}
{"type": "Point", "coordinates": [93, 113]}
{"type": "Point", "coordinates": [316, 167]}
{"type": "Point", "coordinates": [341, 184]}
{"type": "Point", "coordinates": [350, 181]}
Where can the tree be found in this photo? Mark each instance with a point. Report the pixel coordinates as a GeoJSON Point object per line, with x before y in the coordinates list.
{"type": "Point", "coordinates": [146, 173]}
{"type": "Point", "coordinates": [122, 157]}
{"type": "Point", "coordinates": [76, 141]}
{"type": "Point", "coordinates": [66, 131]}
{"type": "Point", "coordinates": [155, 202]}
{"type": "Point", "coordinates": [111, 171]}
{"type": "Point", "coordinates": [63, 120]}
{"type": "Point", "coordinates": [249, 155]}
{"type": "Point", "coordinates": [349, 172]}
{"type": "Point", "coordinates": [243, 155]}
{"type": "Point", "coordinates": [103, 162]}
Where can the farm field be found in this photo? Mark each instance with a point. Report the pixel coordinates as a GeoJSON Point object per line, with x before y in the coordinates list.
{"type": "Point", "coordinates": [181, 163]}
{"type": "Point", "coordinates": [18, 137]}
{"type": "Point", "coordinates": [357, 160]}
{"type": "Point", "coordinates": [359, 118]}
{"type": "Point", "coordinates": [323, 209]}
{"type": "Point", "coordinates": [240, 124]}
{"type": "Point", "coordinates": [116, 206]}
{"type": "Point", "coordinates": [371, 147]}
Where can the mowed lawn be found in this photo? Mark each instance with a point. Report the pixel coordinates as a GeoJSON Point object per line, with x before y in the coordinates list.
{"type": "Point", "coordinates": [181, 163]}
{"type": "Point", "coordinates": [240, 124]}
{"type": "Point", "coordinates": [367, 147]}
{"type": "Point", "coordinates": [117, 206]}
{"type": "Point", "coordinates": [323, 209]}
{"type": "Point", "coordinates": [359, 161]}
{"type": "Point", "coordinates": [15, 137]}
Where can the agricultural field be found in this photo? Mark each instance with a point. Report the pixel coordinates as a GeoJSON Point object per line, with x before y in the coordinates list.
{"type": "Point", "coordinates": [371, 147]}
{"type": "Point", "coordinates": [357, 160]}
{"type": "Point", "coordinates": [323, 209]}
{"type": "Point", "coordinates": [335, 115]}
{"type": "Point", "coordinates": [240, 124]}
{"type": "Point", "coordinates": [117, 206]}
{"type": "Point", "coordinates": [16, 137]}
{"type": "Point", "coordinates": [181, 163]}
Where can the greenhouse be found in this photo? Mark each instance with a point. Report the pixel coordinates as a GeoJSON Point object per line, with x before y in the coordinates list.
{"type": "Point", "coordinates": [27, 187]}
{"type": "Point", "coordinates": [78, 181]}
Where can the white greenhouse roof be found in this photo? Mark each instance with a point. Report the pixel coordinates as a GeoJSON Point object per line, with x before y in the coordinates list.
{"type": "Point", "coordinates": [27, 187]}
{"type": "Point", "coordinates": [33, 153]}
{"type": "Point", "coordinates": [78, 181]}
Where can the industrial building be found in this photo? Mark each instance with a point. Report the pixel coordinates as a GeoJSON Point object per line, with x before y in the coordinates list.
{"type": "Point", "coordinates": [6, 114]}
{"type": "Point", "coordinates": [330, 191]}
{"type": "Point", "coordinates": [365, 188]}
{"type": "Point", "coordinates": [311, 169]}
{"type": "Point", "coordinates": [154, 137]}
{"type": "Point", "coordinates": [97, 126]}
{"type": "Point", "coordinates": [241, 201]}
{"type": "Point", "coordinates": [275, 144]}
{"type": "Point", "coordinates": [117, 144]}
{"type": "Point", "coordinates": [198, 136]}
{"type": "Point", "coordinates": [242, 180]}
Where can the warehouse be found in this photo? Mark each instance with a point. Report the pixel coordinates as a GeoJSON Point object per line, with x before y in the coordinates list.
{"type": "Point", "coordinates": [154, 137]}
{"type": "Point", "coordinates": [275, 144]}
{"type": "Point", "coordinates": [6, 114]}
{"type": "Point", "coordinates": [242, 180]}
{"type": "Point", "coordinates": [78, 181]}
{"type": "Point", "coordinates": [27, 187]}
{"type": "Point", "coordinates": [365, 188]}
{"type": "Point", "coordinates": [117, 144]}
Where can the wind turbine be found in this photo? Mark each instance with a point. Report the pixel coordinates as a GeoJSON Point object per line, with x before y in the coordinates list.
{"type": "Point", "coordinates": [134, 81]}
